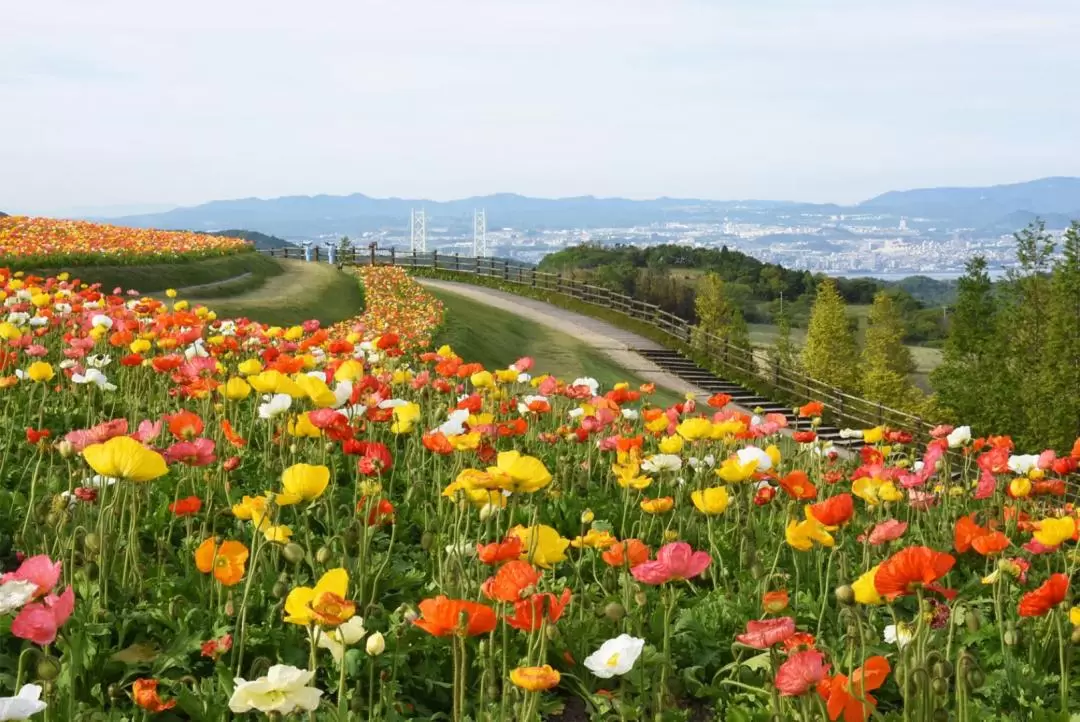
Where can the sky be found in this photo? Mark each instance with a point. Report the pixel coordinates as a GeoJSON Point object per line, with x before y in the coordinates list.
{"type": "Point", "coordinates": [130, 105]}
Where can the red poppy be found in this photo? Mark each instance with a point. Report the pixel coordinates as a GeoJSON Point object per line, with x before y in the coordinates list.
{"type": "Point", "coordinates": [187, 506]}
{"type": "Point", "coordinates": [517, 427]}
{"type": "Point", "coordinates": [184, 424]}
{"type": "Point", "coordinates": [375, 458]}
{"type": "Point", "coordinates": [851, 697]}
{"type": "Point", "coordinates": [764, 495]}
{"type": "Point", "coordinates": [801, 672]}
{"type": "Point", "coordinates": [798, 485]}
{"type": "Point", "coordinates": [145, 693]}
{"type": "Point", "coordinates": [512, 579]}
{"type": "Point", "coordinates": [911, 568]}
{"type": "Point", "coordinates": [719, 401]}
{"type": "Point", "coordinates": [965, 532]}
{"type": "Point", "coordinates": [799, 641]}
{"type": "Point", "coordinates": [1048, 487]}
{"type": "Point", "coordinates": [497, 552]}
{"type": "Point", "coordinates": [804, 437]}
{"type": "Point", "coordinates": [1039, 602]}
{"type": "Point", "coordinates": [442, 617]}
{"type": "Point", "coordinates": [989, 544]}
{"type": "Point", "coordinates": [835, 510]}
{"type": "Point", "coordinates": [626, 553]}
{"type": "Point", "coordinates": [214, 648]}
{"type": "Point", "coordinates": [812, 409]}
{"type": "Point", "coordinates": [438, 443]}
{"type": "Point", "coordinates": [529, 613]}
{"type": "Point", "coordinates": [35, 436]}
{"type": "Point", "coordinates": [382, 512]}
{"type": "Point", "coordinates": [766, 632]}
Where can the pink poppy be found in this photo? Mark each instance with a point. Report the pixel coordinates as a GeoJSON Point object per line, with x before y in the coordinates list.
{"type": "Point", "coordinates": [986, 486]}
{"type": "Point", "coordinates": [921, 500]}
{"type": "Point", "coordinates": [40, 570]}
{"type": "Point", "coordinates": [675, 561]}
{"type": "Point", "coordinates": [801, 672]}
{"type": "Point", "coordinates": [523, 364]}
{"type": "Point", "coordinates": [766, 632]}
{"type": "Point", "coordinates": [547, 386]}
{"type": "Point", "coordinates": [81, 438]}
{"type": "Point", "coordinates": [941, 431]}
{"type": "Point", "coordinates": [887, 531]}
{"type": "Point", "coordinates": [199, 452]}
{"type": "Point", "coordinates": [325, 418]}
{"type": "Point", "coordinates": [147, 431]}
{"type": "Point", "coordinates": [36, 350]}
{"type": "Point", "coordinates": [1036, 547]}
{"type": "Point", "coordinates": [40, 621]}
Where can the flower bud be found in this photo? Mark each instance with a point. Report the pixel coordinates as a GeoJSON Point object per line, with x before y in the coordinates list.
{"type": "Point", "coordinates": [587, 516]}
{"type": "Point", "coordinates": [615, 611]}
{"type": "Point", "coordinates": [92, 542]}
{"type": "Point", "coordinates": [376, 644]}
{"type": "Point", "coordinates": [65, 448]}
{"type": "Point", "coordinates": [640, 598]}
{"type": "Point", "coordinates": [293, 553]}
{"type": "Point", "coordinates": [279, 590]}
{"type": "Point", "coordinates": [48, 668]}
{"type": "Point", "coordinates": [845, 594]}
{"type": "Point", "coordinates": [322, 555]}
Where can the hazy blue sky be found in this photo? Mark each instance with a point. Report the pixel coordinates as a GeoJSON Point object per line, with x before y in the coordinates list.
{"type": "Point", "coordinates": [118, 102]}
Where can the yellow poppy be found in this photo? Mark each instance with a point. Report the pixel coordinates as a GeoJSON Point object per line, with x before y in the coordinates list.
{"type": "Point", "coordinates": [405, 417]}
{"type": "Point", "coordinates": [733, 471]}
{"type": "Point", "coordinates": [865, 590]}
{"type": "Point", "coordinates": [801, 535]}
{"type": "Point", "coordinates": [316, 390]}
{"type": "Point", "coordinates": [692, 429]}
{"type": "Point", "coordinates": [302, 427]}
{"type": "Point", "coordinates": [303, 482]}
{"type": "Point", "coordinates": [306, 605]}
{"type": "Point", "coordinates": [711, 501]}
{"type": "Point", "coordinates": [517, 473]}
{"type": "Point", "coordinates": [629, 476]}
{"type": "Point", "coordinates": [671, 444]}
{"type": "Point", "coordinates": [544, 547]}
{"type": "Point", "coordinates": [236, 389]}
{"type": "Point", "coordinates": [40, 371]}
{"type": "Point", "coordinates": [1052, 532]}
{"type": "Point", "coordinates": [349, 370]}
{"type": "Point", "coordinates": [123, 457]}
{"type": "Point", "coordinates": [250, 367]}
{"type": "Point", "coordinates": [594, 539]}
{"type": "Point", "coordinates": [662, 505]}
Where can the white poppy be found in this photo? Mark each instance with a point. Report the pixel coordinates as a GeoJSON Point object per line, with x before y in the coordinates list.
{"type": "Point", "coordinates": [392, 403]}
{"type": "Point", "coordinates": [615, 656]}
{"type": "Point", "coordinates": [592, 384]}
{"type": "Point", "coordinates": [630, 414]}
{"type": "Point", "coordinates": [275, 406]}
{"type": "Point", "coordinates": [455, 423]}
{"type": "Point", "coordinates": [18, 318]}
{"type": "Point", "coordinates": [753, 453]}
{"type": "Point", "coordinates": [23, 705]}
{"type": "Point", "coordinates": [899, 634]}
{"type": "Point", "coordinates": [13, 595]}
{"type": "Point", "coordinates": [1023, 463]}
{"type": "Point", "coordinates": [959, 436]}
{"type": "Point", "coordinates": [345, 635]}
{"type": "Point", "coordinates": [284, 689]}
{"type": "Point", "coordinates": [376, 644]}
{"type": "Point", "coordinates": [101, 320]}
{"type": "Point", "coordinates": [98, 360]}
{"type": "Point", "coordinates": [851, 433]}
{"type": "Point", "coordinates": [661, 462]}
{"type": "Point", "coordinates": [93, 376]}
{"type": "Point", "coordinates": [342, 393]}
{"type": "Point", "coordinates": [38, 321]}
{"type": "Point", "coordinates": [524, 378]}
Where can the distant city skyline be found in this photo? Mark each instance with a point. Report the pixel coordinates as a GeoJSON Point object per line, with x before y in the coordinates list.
{"type": "Point", "coordinates": [126, 105]}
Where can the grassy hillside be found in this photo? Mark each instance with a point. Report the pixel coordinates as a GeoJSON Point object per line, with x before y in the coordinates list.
{"type": "Point", "coordinates": [298, 292]}
{"type": "Point", "coordinates": [155, 277]}
{"type": "Point", "coordinates": [497, 338]}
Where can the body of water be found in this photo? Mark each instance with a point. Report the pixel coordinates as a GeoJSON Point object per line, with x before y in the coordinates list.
{"type": "Point", "coordinates": [995, 273]}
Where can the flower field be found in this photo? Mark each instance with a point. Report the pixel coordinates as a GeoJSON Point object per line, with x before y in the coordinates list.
{"type": "Point", "coordinates": [27, 242]}
{"type": "Point", "coordinates": [209, 519]}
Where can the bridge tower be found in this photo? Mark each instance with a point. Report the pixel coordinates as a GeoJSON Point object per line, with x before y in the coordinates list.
{"type": "Point", "coordinates": [479, 239]}
{"type": "Point", "coordinates": [418, 231]}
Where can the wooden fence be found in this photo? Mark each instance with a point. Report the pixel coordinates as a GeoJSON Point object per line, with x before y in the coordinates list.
{"type": "Point", "coordinates": [752, 367]}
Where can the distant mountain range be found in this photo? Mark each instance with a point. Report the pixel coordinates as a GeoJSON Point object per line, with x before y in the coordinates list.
{"type": "Point", "coordinates": [992, 210]}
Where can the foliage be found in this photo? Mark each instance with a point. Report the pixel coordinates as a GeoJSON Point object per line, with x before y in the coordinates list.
{"type": "Point", "coordinates": [717, 317]}
{"type": "Point", "coordinates": [830, 353]}
{"type": "Point", "coordinates": [886, 363]}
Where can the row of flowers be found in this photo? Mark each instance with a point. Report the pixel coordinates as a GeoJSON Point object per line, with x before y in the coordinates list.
{"type": "Point", "coordinates": [349, 522]}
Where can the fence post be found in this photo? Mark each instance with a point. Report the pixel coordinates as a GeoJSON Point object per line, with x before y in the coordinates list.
{"type": "Point", "coordinates": [532, 277]}
{"type": "Point", "coordinates": [316, 254]}
{"type": "Point", "coordinates": [457, 261]}
{"type": "Point", "coordinates": [435, 260]}
{"type": "Point", "coordinates": [393, 256]}
{"type": "Point", "coordinates": [413, 262]}
{"type": "Point", "coordinates": [372, 247]}
{"type": "Point", "coordinates": [506, 270]}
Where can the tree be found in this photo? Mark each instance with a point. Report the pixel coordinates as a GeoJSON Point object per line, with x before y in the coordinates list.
{"type": "Point", "coordinates": [830, 354]}
{"type": "Point", "coordinates": [344, 245]}
{"type": "Point", "coordinates": [1063, 343]}
{"type": "Point", "coordinates": [718, 317]}
{"type": "Point", "coordinates": [886, 362]}
{"type": "Point", "coordinates": [783, 354]}
{"type": "Point", "coordinates": [969, 378]}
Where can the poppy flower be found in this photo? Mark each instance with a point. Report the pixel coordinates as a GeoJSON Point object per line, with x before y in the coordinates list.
{"type": "Point", "coordinates": [674, 562]}
{"type": "Point", "coordinates": [766, 632]}
{"type": "Point", "coordinates": [886, 531]}
{"type": "Point", "coordinates": [989, 544]}
{"type": "Point", "coordinates": [804, 437]}
{"type": "Point", "coordinates": [122, 457]}
{"type": "Point", "coordinates": [835, 510]}
{"type": "Point", "coordinates": [36, 436]}
{"type": "Point", "coordinates": [719, 401]}
{"type": "Point", "coordinates": [851, 696]}
{"type": "Point", "coordinates": [661, 505]}
{"type": "Point", "coordinates": [812, 409]}
{"type": "Point", "coordinates": [214, 648]}
{"type": "Point", "coordinates": [40, 570]}
{"type": "Point", "coordinates": [496, 552]}
{"type": "Point", "coordinates": [543, 545]}
{"type": "Point", "coordinates": [184, 424]}
{"type": "Point", "coordinates": [800, 673]}
{"type": "Point", "coordinates": [530, 613]}
{"type": "Point", "coordinates": [441, 617]}
{"type": "Point", "coordinates": [535, 679]}
{"type": "Point", "coordinates": [381, 512]}
{"type": "Point", "coordinates": [374, 459]}
{"type": "Point", "coordinates": [775, 602]}
{"type": "Point", "coordinates": [303, 482]}
{"type": "Point", "coordinates": [711, 501]}
{"type": "Point", "coordinates": [630, 552]}
{"type": "Point", "coordinates": [40, 621]}
{"type": "Point", "coordinates": [199, 452]}
{"type": "Point", "coordinates": [510, 581]}
{"type": "Point", "coordinates": [226, 561]}
{"type": "Point", "coordinates": [798, 485]}
{"type": "Point", "coordinates": [1051, 593]}
{"type": "Point", "coordinates": [145, 694]}
{"type": "Point", "coordinates": [965, 531]}
{"type": "Point", "coordinates": [324, 604]}
{"type": "Point", "coordinates": [910, 568]}
{"type": "Point", "coordinates": [186, 506]}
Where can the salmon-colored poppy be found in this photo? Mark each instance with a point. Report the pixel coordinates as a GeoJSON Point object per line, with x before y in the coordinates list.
{"type": "Point", "coordinates": [441, 617]}
{"type": "Point", "coordinates": [511, 581]}
{"type": "Point", "coordinates": [1039, 602]}
{"type": "Point", "coordinates": [911, 568]}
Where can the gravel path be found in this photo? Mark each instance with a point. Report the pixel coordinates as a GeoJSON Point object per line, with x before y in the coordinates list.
{"type": "Point", "coordinates": [613, 341]}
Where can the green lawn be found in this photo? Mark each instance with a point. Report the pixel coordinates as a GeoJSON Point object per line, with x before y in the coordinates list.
{"type": "Point", "coordinates": [160, 276]}
{"type": "Point", "coordinates": [497, 338]}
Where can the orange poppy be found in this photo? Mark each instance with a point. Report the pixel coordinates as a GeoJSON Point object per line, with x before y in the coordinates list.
{"type": "Point", "coordinates": [775, 602]}
{"type": "Point", "coordinates": [661, 505]}
{"type": "Point", "coordinates": [145, 693]}
{"type": "Point", "coordinates": [512, 579]}
{"type": "Point", "coordinates": [230, 434]}
{"type": "Point", "coordinates": [1039, 602]}
{"type": "Point", "coordinates": [990, 544]}
{"type": "Point", "coordinates": [814, 408]}
{"type": "Point", "coordinates": [185, 424]}
{"type": "Point", "coordinates": [798, 485]}
{"type": "Point", "coordinates": [442, 617]}
{"type": "Point", "coordinates": [835, 510]}
{"type": "Point", "coordinates": [535, 679]}
{"type": "Point", "coordinates": [626, 553]}
{"type": "Point", "coordinates": [496, 552]}
{"type": "Point", "coordinates": [226, 562]}
{"type": "Point", "coordinates": [438, 443]}
{"type": "Point", "coordinates": [851, 697]}
{"type": "Point", "coordinates": [911, 568]}
{"type": "Point", "coordinates": [719, 401]}
{"type": "Point", "coordinates": [965, 532]}
{"type": "Point", "coordinates": [529, 613]}
{"type": "Point", "coordinates": [187, 506]}
{"type": "Point", "coordinates": [625, 443]}
{"type": "Point", "coordinates": [332, 610]}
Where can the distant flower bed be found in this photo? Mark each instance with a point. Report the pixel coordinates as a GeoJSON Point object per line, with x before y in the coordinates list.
{"type": "Point", "coordinates": [46, 242]}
